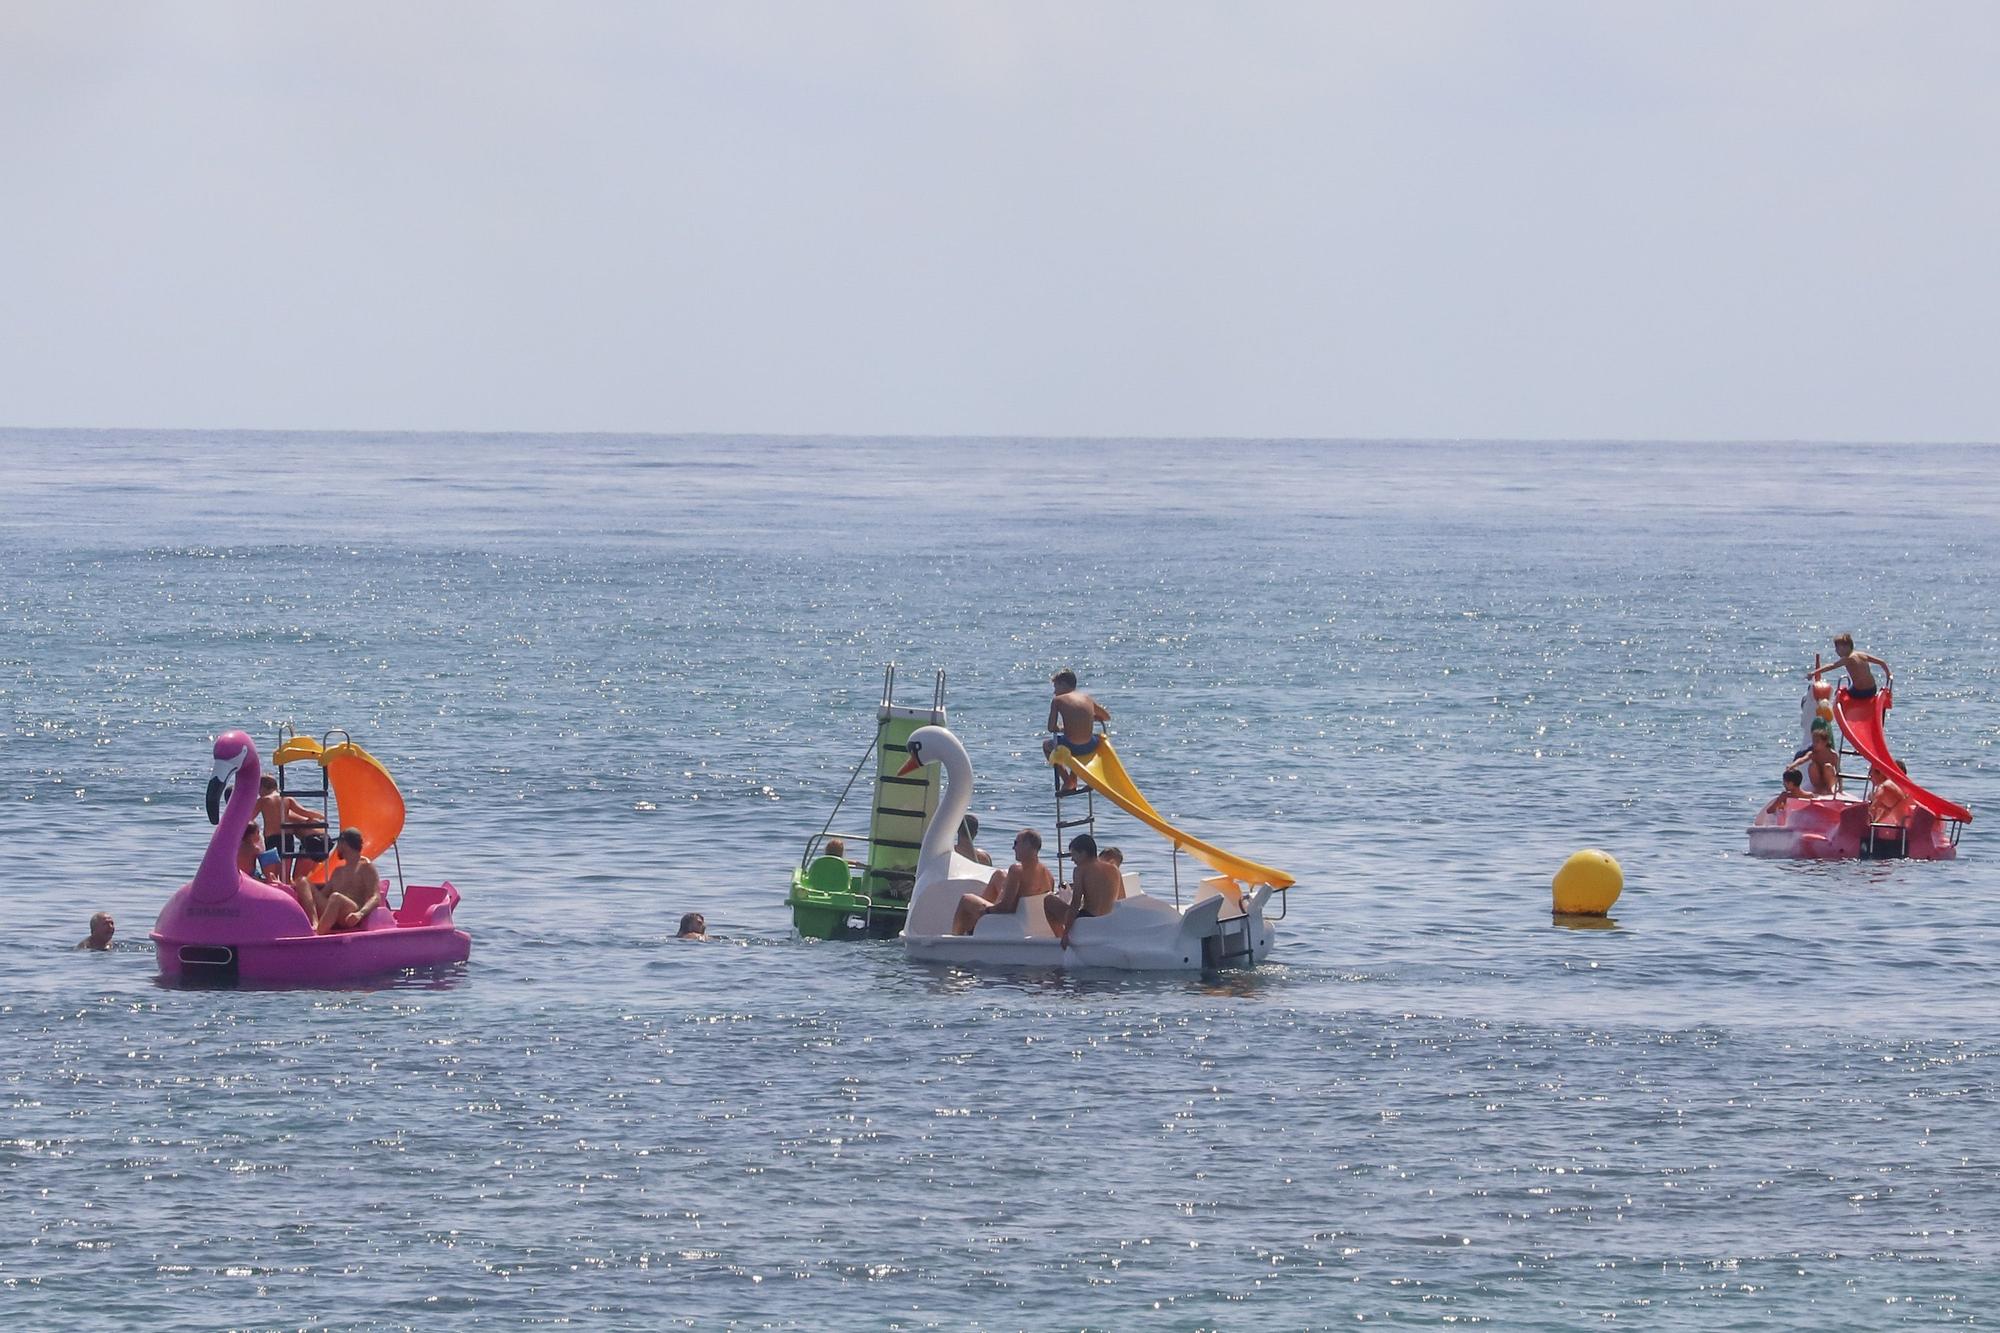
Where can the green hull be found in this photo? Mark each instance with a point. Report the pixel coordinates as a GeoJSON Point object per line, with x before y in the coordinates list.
{"type": "Point", "coordinates": [840, 916]}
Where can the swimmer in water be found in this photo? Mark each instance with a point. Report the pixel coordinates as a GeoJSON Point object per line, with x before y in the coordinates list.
{"type": "Point", "coordinates": [102, 927]}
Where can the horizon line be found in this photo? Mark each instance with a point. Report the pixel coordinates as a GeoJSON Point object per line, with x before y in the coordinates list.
{"type": "Point", "coordinates": [1704, 442]}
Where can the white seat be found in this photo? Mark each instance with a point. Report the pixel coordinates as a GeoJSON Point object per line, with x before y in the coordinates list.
{"type": "Point", "coordinates": [1030, 920]}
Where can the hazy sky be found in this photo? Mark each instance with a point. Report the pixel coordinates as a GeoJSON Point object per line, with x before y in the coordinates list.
{"type": "Point", "coordinates": [1395, 219]}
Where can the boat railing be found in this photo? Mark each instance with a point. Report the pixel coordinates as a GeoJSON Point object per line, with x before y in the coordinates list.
{"type": "Point", "coordinates": [826, 829]}
{"type": "Point", "coordinates": [816, 844]}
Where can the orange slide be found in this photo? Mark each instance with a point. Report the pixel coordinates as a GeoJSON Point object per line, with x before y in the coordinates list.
{"type": "Point", "coordinates": [1861, 722]}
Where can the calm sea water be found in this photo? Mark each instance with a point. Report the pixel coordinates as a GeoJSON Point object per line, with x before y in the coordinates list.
{"type": "Point", "coordinates": [622, 678]}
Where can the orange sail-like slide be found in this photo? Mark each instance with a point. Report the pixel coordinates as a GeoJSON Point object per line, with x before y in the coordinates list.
{"type": "Point", "coordinates": [1861, 722]}
{"type": "Point", "coordinates": [364, 794]}
{"type": "Point", "coordinates": [1108, 778]}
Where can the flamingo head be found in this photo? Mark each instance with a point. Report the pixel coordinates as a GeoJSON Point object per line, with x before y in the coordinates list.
{"type": "Point", "coordinates": [231, 749]}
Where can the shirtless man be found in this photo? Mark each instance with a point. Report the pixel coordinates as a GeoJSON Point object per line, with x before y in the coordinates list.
{"type": "Point", "coordinates": [1890, 804]}
{"type": "Point", "coordinates": [1116, 858]}
{"type": "Point", "coordinates": [1092, 892]}
{"type": "Point", "coordinates": [1072, 717]}
{"type": "Point", "coordinates": [968, 831]}
{"type": "Point", "coordinates": [1024, 879]}
{"type": "Point", "coordinates": [1860, 680]}
{"type": "Point", "coordinates": [1794, 791]}
{"type": "Point", "coordinates": [277, 811]}
{"type": "Point", "coordinates": [101, 929]}
{"type": "Point", "coordinates": [353, 890]}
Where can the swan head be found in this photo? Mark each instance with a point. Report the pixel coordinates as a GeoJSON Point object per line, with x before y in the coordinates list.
{"type": "Point", "coordinates": [232, 749]}
{"type": "Point", "coordinates": [931, 745]}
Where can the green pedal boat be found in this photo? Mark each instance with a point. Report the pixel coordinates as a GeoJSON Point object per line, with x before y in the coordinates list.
{"type": "Point", "coordinates": [848, 886]}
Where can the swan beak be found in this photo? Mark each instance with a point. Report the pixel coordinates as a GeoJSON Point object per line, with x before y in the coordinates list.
{"type": "Point", "coordinates": [216, 791]}
{"type": "Point", "coordinates": [909, 767]}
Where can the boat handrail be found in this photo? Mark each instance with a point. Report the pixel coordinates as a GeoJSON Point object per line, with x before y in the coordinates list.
{"type": "Point", "coordinates": [814, 841]}
{"type": "Point", "coordinates": [818, 840]}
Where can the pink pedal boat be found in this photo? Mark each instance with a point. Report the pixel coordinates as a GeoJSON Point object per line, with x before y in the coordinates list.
{"type": "Point", "coordinates": [1837, 827]}
{"type": "Point", "coordinates": [224, 928]}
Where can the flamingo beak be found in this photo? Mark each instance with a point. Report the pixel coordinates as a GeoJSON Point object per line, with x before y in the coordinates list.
{"type": "Point", "coordinates": [217, 792]}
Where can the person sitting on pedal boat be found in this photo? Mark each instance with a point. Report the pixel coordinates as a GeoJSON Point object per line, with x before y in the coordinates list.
{"type": "Point", "coordinates": [1026, 878]}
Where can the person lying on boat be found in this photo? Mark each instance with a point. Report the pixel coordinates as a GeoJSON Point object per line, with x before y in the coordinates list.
{"type": "Point", "coordinates": [1860, 680]}
{"type": "Point", "coordinates": [352, 891]}
{"type": "Point", "coordinates": [1073, 715]}
{"type": "Point", "coordinates": [1093, 888]}
{"type": "Point", "coordinates": [968, 830]}
{"type": "Point", "coordinates": [1795, 790]}
{"type": "Point", "coordinates": [1822, 763]}
{"type": "Point", "coordinates": [1890, 804]}
{"type": "Point", "coordinates": [1004, 892]}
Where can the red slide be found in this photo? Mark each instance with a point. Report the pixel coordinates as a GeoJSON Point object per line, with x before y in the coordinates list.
{"type": "Point", "coordinates": [1861, 722]}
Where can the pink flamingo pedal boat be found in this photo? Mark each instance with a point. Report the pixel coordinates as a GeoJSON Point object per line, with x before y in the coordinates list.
{"type": "Point", "coordinates": [224, 927]}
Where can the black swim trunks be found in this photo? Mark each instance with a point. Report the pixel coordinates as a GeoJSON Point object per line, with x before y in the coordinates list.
{"type": "Point", "coordinates": [1861, 691]}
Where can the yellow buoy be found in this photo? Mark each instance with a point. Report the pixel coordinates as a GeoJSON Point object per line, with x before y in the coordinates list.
{"type": "Point", "coordinates": [1588, 883]}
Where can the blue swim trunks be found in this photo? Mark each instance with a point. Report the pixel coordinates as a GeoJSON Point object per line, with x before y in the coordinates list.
{"type": "Point", "coordinates": [1081, 749]}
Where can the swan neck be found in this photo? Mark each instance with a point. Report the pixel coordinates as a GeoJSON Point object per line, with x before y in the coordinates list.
{"type": "Point", "coordinates": [942, 835]}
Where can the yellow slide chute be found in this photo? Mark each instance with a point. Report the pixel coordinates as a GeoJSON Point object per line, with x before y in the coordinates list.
{"type": "Point", "coordinates": [364, 795]}
{"type": "Point", "coordinates": [1108, 778]}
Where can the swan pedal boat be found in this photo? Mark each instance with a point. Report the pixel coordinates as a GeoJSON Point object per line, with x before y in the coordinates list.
{"type": "Point", "coordinates": [224, 927]}
{"type": "Point", "coordinates": [1224, 926]}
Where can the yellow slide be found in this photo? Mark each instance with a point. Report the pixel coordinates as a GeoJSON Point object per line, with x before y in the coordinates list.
{"type": "Point", "coordinates": [1106, 776]}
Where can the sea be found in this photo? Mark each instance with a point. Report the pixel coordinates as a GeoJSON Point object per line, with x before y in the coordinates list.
{"type": "Point", "coordinates": [620, 678]}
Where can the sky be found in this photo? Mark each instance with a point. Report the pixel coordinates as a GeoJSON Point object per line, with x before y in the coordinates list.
{"type": "Point", "coordinates": [1394, 220]}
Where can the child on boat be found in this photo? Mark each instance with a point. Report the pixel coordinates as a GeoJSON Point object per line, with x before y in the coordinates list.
{"type": "Point", "coordinates": [1823, 762]}
{"type": "Point", "coordinates": [1072, 717]}
{"type": "Point", "coordinates": [1860, 679]}
{"type": "Point", "coordinates": [276, 811]}
{"type": "Point", "coordinates": [1794, 791]}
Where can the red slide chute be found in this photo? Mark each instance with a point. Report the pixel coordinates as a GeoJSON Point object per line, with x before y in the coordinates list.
{"type": "Point", "coordinates": [1861, 722]}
